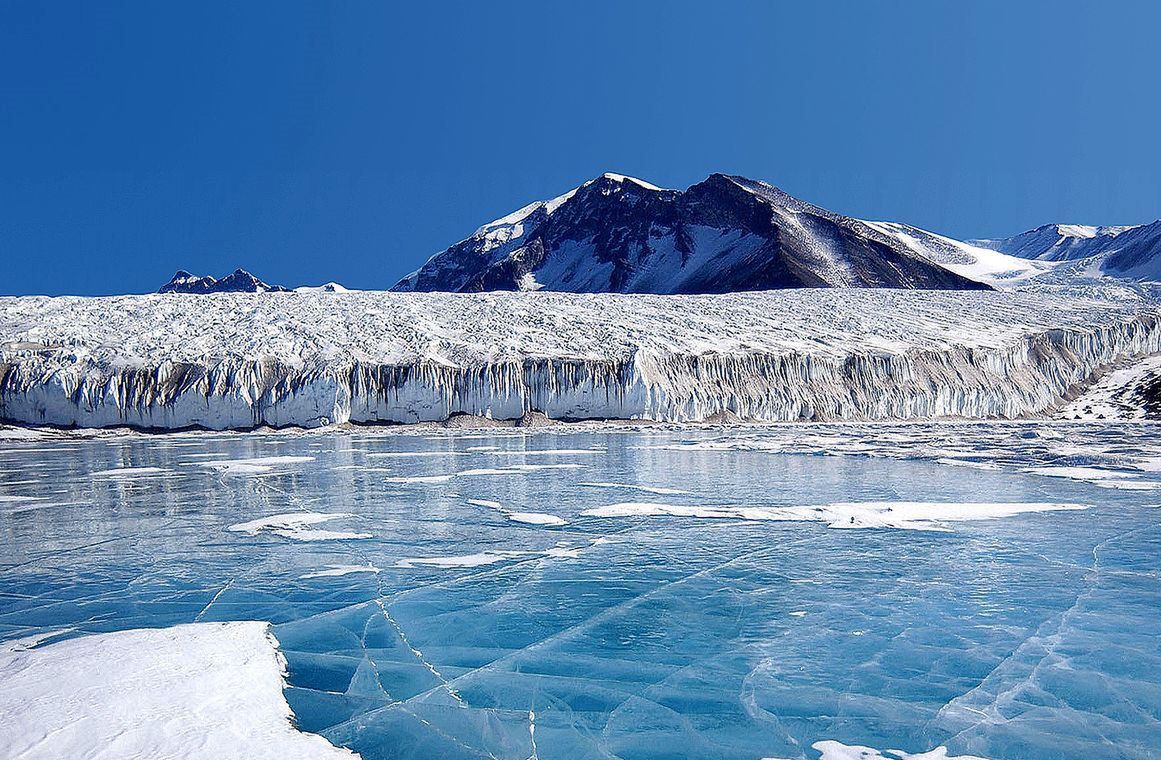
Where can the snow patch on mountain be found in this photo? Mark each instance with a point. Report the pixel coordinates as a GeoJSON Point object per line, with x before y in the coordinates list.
{"type": "Point", "coordinates": [626, 178]}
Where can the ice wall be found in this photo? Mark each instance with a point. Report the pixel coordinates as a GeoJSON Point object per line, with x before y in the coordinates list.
{"type": "Point", "coordinates": [767, 357]}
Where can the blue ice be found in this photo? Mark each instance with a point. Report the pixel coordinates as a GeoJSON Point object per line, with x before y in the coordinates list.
{"type": "Point", "coordinates": [442, 594]}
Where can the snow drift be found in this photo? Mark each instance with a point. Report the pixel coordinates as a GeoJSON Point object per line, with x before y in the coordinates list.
{"type": "Point", "coordinates": [243, 360]}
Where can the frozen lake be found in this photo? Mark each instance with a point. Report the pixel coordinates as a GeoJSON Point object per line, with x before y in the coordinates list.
{"type": "Point", "coordinates": [733, 593]}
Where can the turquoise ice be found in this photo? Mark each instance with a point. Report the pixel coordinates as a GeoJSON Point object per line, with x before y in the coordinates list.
{"type": "Point", "coordinates": [639, 593]}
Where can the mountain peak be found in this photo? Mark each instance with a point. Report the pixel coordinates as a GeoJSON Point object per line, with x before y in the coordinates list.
{"type": "Point", "coordinates": [238, 281]}
{"type": "Point", "coordinates": [623, 178]}
{"type": "Point", "coordinates": [726, 233]}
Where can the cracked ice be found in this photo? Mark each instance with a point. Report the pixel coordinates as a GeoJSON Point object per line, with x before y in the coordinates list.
{"type": "Point", "coordinates": [511, 595]}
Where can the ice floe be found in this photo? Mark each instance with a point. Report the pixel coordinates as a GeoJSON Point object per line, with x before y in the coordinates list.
{"type": "Point", "coordinates": [832, 750]}
{"type": "Point", "coordinates": [535, 518]}
{"type": "Point", "coordinates": [411, 454]}
{"type": "Point", "coordinates": [204, 690]}
{"type": "Point", "coordinates": [491, 557]}
{"type": "Point", "coordinates": [516, 469]}
{"type": "Point", "coordinates": [296, 525]}
{"type": "Point", "coordinates": [661, 491]}
{"type": "Point", "coordinates": [1077, 473]}
{"type": "Point", "coordinates": [336, 571]}
{"type": "Point", "coordinates": [1098, 477]}
{"type": "Point", "coordinates": [911, 515]}
{"type": "Point", "coordinates": [463, 560]}
{"type": "Point", "coordinates": [513, 469]}
{"type": "Point", "coordinates": [252, 466]}
{"type": "Point", "coordinates": [128, 472]}
{"type": "Point", "coordinates": [529, 518]}
{"type": "Point", "coordinates": [420, 479]}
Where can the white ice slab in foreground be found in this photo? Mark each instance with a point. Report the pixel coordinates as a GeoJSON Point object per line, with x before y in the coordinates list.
{"type": "Point", "coordinates": [832, 750]}
{"type": "Point", "coordinates": [205, 690]}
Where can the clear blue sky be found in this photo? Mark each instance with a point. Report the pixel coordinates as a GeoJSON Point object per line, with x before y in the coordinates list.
{"type": "Point", "coordinates": [351, 140]}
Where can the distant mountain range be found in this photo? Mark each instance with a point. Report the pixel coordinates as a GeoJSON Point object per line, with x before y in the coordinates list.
{"type": "Point", "coordinates": [1127, 252]}
{"type": "Point", "coordinates": [238, 281]}
{"type": "Point", "coordinates": [728, 233]}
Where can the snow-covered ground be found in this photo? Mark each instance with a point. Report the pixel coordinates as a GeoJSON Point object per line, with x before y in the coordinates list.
{"type": "Point", "coordinates": [204, 690]}
{"type": "Point", "coordinates": [308, 359]}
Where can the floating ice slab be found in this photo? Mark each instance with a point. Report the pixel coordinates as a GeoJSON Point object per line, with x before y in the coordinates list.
{"type": "Point", "coordinates": [128, 472]}
{"type": "Point", "coordinates": [832, 750]}
{"type": "Point", "coordinates": [253, 466]}
{"type": "Point", "coordinates": [1078, 473]}
{"type": "Point", "coordinates": [337, 571]}
{"type": "Point", "coordinates": [659, 490]}
{"type": "Point", "coordinates": [529, 518]}
{"type": "Point", "coordinates": [295, 525]}
{"type": "Point", "coordinates": [464, 560]}
{"type": "Point", "coordinates": [535, 518]}
{"type": "Point", "coordinates": [204, 690]}
{"type": "Point", "coordinates": [913, 515]}
{"type": "Point", "coordinates": [514, 469]}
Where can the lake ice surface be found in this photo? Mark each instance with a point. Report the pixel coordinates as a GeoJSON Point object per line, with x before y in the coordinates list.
{"type": "Point", "coordinates": [468, 594]}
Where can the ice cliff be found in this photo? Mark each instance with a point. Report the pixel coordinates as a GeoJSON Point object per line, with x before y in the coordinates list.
{"type": "Point", "coordinates": [242, 360]}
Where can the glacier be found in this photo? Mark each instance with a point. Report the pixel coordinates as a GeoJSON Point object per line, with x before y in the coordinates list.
{"type": "Point", "coordinates": [240, 361]}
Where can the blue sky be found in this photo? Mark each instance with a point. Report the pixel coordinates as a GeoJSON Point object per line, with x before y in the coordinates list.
{"type": "Point", "coordinates": [351, 140]}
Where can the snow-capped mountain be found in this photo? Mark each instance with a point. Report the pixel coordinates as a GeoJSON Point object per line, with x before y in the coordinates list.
{"type": "Point", "coordinates": [726, 233]}
{"type": "Point", "coordinates": [238, 281]}
{"type": "Point", "coordinates": [1127, 252]}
